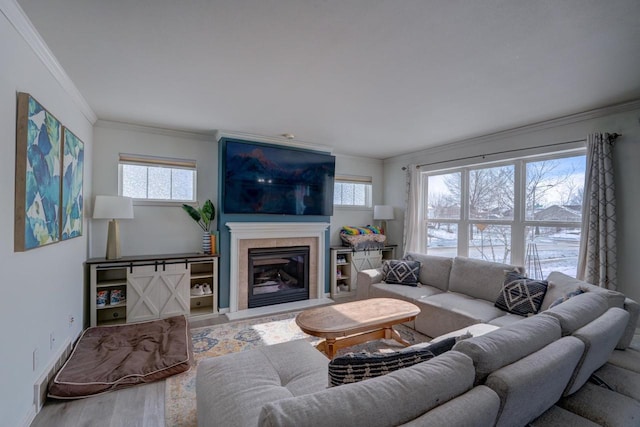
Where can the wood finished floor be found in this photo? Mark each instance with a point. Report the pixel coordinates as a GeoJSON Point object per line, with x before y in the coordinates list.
{"type": "Point", "coordinates": [140, 406]}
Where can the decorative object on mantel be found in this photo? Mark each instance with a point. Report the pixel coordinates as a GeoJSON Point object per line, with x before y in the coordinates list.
{"type": "Point", "coordinates": [38, 162]}
{"type": "Point", "coordinates": [113, 208]}
{"type": "Point", "coordinates": [203, 216]}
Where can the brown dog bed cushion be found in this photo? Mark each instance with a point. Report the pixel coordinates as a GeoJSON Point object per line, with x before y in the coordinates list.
{"type": "Point", "coordinates": [107, 358]}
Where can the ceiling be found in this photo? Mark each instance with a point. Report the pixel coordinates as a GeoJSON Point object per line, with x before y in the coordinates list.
{"type": "Point", "coordinates": [367, 77]}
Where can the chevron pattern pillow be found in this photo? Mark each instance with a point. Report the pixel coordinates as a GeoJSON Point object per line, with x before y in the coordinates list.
{"type": "Point", "coordinates": [354, 367]}
{"type": "Point", "coordinates": [520, 295]}
{"type": "Point", "coordinates": [401, 272]}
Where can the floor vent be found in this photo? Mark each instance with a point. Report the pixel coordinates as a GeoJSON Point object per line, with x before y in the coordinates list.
{"type": "Point", "coordinates": [40, 387]}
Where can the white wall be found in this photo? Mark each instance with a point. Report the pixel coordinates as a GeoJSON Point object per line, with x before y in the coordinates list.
{"type": "Point", "coordinates": [157, 229]}
{"type": "Point", "coordinates": [623, 119]}
{"type": "Point", "coordinates": [359, 166]}
{"type": "Point", "coordinates": [42, 287]}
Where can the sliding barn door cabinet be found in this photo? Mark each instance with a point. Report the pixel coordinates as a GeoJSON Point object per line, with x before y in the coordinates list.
{"type": "Point", "coordinates": [135, 289]}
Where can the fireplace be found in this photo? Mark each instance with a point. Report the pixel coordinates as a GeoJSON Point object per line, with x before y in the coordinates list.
{"type": "Point", "coordinates": [253, 235]}
{"type": "Point", "coordinates": [278, 275]}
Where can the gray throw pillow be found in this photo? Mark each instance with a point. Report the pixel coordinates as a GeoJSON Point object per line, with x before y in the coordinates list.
{"type": "Point", "coordinates": [567, 296]}
{"type": "Point", "coordinates": [401, 272]}
{"type": "Point", "coordinates": [520, 295]}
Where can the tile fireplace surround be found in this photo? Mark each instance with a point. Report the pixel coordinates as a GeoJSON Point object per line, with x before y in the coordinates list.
{"type": "Point", "coordinates": [248, 235]}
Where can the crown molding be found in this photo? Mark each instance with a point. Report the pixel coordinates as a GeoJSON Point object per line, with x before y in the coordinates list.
{"type": "Point", "coordinates": [23, 25]}
{"type": "Point", "coordinates": [133, 127]}
{"type": "Point", "coordinates": [522, 130]}
{"type": "Point", "coordinates": [273, 140]}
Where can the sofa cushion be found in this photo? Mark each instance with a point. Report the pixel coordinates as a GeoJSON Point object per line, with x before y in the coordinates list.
{"type": "Point", "coordinates": [401, 272]}
{"type": "Point", "coordinates": [407, 293]}
{"type": "Point", "coordinates": [231, 389]}
{"type": "Point", "coordinates": [600, 338]}
{"type": "Point", "coordinates": [477, 278]}
{"type": "Point", "coordinates": [634, 313]}
{"type": "Point", "coordinates": [392, 399]}
{"type": "Point", "coordinates": [354, 367]}
{"type": "Point", "coordinates": [603, 406]}
{"type": "Point", "coordinates": [507, 319]}
{"type": "Point", "coordinates": [521, 295]}
{"type": "Point", "coordinates": [558, 417]}
{"type": "Point", "coordinates": [561, 284]}
{"type": "Point", "coordinates": [620, 380]}
{"type": "Point", "coordinates": [627, 359]}
{"type": "Point", "coordinates": [533, 384]}
{"type": "Point", "coordinates": [449, 311]}
{"type": "Point", "coordinates": [504, 346]}
{"type": "Point", "coordinates": [476, 408]}
{"type": "Point", "coordinates": [435, 270]}
{"type": "Point", "coordinates": [578, 311]}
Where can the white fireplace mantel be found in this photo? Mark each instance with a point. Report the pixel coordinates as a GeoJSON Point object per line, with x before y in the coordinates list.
{"type": "Point", "coordinates": [273, 230]}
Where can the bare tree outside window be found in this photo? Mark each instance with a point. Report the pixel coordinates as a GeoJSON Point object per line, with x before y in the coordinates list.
{"type": "Point", "coordinates": [550, 205]}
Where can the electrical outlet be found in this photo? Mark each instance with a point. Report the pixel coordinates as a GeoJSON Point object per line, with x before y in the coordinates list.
{"type": "Point", "coordinates": [52, 340]}
{"type": "Point", "coordinates": [35, 359]}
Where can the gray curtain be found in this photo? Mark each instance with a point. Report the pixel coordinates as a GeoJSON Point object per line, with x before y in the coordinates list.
{"type": "Point", "coordinates": [597, 259]}
{"type": "Point", "coordinates": [413, 237]}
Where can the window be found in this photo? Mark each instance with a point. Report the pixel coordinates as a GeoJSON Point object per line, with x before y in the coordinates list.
{"type": "Point", "coordinates": [526, 211]}
{"type": "Point", "coordinates": [352, 192]}
{"type": "Point", "coordinates": [157, 179]}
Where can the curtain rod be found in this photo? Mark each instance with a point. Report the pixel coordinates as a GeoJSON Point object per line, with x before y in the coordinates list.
{"type": "Point", "coordinates": [612, 138]}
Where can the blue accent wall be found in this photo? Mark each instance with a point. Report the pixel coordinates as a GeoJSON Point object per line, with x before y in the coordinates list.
{"type": "Point", "coordinates": [225, 235]}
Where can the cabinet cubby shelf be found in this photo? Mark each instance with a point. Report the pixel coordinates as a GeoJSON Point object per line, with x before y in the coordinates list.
{"type": "Point", "coordinates": [111, 283]}
{"type": "Point", "coordinates": [344, 273]}
{"type": "Point", "coordinates": [107, 307]}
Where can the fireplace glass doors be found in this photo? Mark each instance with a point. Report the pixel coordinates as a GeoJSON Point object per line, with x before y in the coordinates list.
{"type": "Point", "coordinates": [278, 275]}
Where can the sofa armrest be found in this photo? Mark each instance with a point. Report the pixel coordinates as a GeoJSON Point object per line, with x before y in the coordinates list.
{"type": "Point", "coordinates": [634, 312]}
{"type": "Point", "coordinates": [366, 278]}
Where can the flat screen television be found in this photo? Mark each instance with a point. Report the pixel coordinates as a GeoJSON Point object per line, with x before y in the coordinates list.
{"type": "Point", "coordinates": [268, 179]}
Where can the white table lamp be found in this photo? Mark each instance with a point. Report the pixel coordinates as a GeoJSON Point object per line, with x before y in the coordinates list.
{"type": "Point", "coordinates": [113, 208]}
{"type": "Point", "coordinates": [382, 213]}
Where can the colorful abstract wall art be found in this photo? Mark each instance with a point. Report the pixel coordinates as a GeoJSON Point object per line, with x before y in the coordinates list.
{"type": "Point", "coordinates": [49, 176]}
{"type": "Point", "coordinates": [37, 204]}
{"type": "Point", "coordinates": [72, 169]}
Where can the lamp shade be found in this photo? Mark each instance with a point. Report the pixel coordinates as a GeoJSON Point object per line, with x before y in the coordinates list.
{"type": "Point", "coordinates": [113, 207]}
{"type": "Point", "coordinates": [382, 212]}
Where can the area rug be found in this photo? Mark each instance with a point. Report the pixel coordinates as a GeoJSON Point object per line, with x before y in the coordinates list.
{"type": "Point", "coordinates": [212, 341]}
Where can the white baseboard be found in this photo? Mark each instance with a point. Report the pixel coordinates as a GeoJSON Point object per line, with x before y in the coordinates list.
{"type": "Point", "coordinates": [31, 415]}
{"type": "Point", "coordinates": [40, 386]}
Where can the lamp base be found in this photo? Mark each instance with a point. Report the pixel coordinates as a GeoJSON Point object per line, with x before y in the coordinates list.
{"type": "Point", "coordinates": [113, 240]}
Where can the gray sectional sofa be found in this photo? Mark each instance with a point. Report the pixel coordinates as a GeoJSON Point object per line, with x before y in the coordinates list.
{"type": "Point", "coordinates": [456, 293]}
{"type": "Point", "coordinates": [532, 370]}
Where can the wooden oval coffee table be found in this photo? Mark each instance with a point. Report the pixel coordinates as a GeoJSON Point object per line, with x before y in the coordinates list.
{"type": "Point", "coordinates": [350, 323]}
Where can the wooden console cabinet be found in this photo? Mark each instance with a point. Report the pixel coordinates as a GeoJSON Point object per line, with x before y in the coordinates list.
{"type": "Point", "coordinates": [154, 287]}
{"type": "Point", "coordinates": [346, 263]}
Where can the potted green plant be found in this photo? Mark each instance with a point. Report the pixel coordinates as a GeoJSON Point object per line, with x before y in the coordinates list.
{"type": "Point", "coordinates": [203, 216]}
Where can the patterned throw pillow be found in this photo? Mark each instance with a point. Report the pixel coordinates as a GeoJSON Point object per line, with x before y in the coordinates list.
{"type": "Point", "coordinates": [354, 367]}
{"type": "Point", "coordinates": [520, 295]}
{"type": "Point", "coordinates": [401, 272]}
